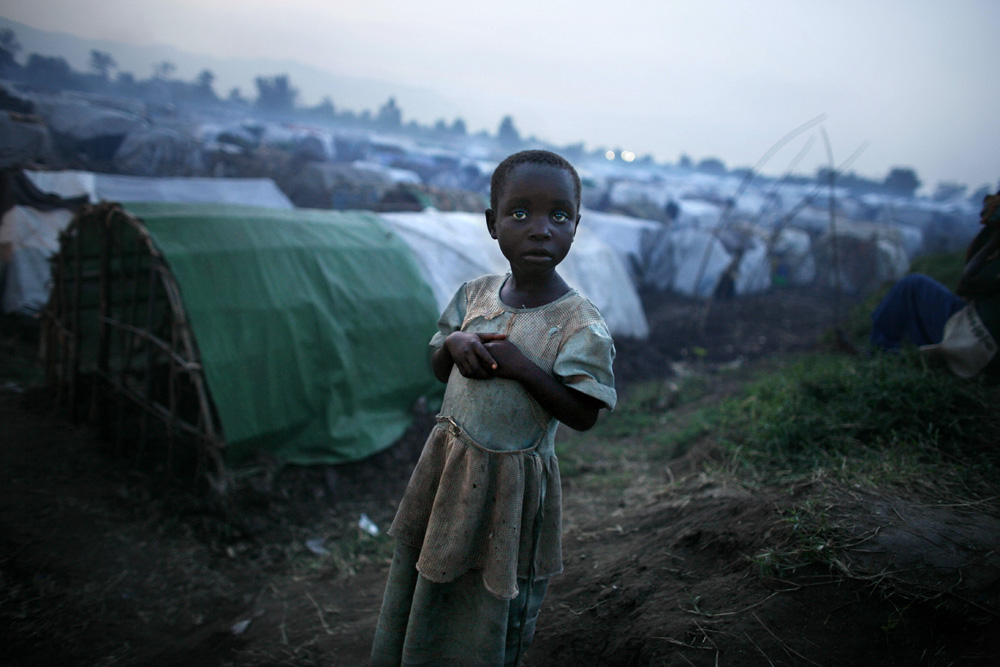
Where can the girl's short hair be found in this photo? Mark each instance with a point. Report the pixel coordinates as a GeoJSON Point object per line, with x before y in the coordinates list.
{"type": "Point", "coordinates": [499, 179]}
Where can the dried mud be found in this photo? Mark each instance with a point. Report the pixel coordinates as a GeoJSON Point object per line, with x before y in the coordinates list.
{"type": "Point", "coordinates": [104, 564]}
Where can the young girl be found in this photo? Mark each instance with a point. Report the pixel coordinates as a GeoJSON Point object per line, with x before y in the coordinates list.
{"type": "Point", "coordinates": [478, 527]}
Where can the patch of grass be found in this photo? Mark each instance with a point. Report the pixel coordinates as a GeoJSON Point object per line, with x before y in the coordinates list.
{"type": "Point", "coordinates": [884, 418]}
{"type": "Point", "coordinates": [946, 268]}
{"type": "Point", "coordinates": [647, 425]}
{"type": "Point", "coordinates": [813, 542]}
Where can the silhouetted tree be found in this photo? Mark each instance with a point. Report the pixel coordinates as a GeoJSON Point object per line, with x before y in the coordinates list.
{"type": "Point", "coordinates": [507, 134]}
{"type": "Point", "coordinates": [712, 165]}
{"type": "Point", "coordinates": [275, 93]}
{"type": "Point", "coordinates": [9, 48]}
{"type": "Point", "coordinates": [458, 128]}
{"type": "Point", "coordinates": [902, 181]}
{"type": "Point", "coordinates": [324, 109]}
{"type": "Point", "coordinates": [685, 162]}
{"type": "Point", "coordinates": [102, 63]}
{"type": "Point", "coordinates": [163, 70]}
{"type": "Point", "coordinates": [389, 115]}
{"type": "Point", "coordinates": [203, 84]}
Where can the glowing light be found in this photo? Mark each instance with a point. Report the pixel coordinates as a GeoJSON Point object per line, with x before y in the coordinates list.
{"type": "Point", "coordinates": [627, 156]}
{"type": "Point", "coordinates": [610, 155]}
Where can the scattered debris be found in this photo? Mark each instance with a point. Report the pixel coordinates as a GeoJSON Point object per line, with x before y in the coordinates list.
{"type": "Point", "coordinates": [367, 525]}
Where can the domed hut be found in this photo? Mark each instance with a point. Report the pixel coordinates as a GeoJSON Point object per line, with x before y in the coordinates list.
{"type": "Point", "coordinates": [220, 332]}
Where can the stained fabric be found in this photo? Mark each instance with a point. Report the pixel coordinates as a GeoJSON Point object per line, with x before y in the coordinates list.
{"type": "Point", "coordinates": [455, 624]}
{"type": "Point", "coordinates": [490, 465]}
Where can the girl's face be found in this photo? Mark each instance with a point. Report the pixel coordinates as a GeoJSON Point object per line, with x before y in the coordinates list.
{"type": "Point", "coordinates": [536, 218]}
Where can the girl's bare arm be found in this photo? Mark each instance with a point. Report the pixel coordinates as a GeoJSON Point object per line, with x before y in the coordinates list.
{"type": "Point", "coordinates": [467, 351]}
{"type": "Point", "coordinates": [576, 410]}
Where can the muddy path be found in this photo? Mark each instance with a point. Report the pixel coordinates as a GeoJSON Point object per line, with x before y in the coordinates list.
{"type": "Point", "coordinates": [104, 564]}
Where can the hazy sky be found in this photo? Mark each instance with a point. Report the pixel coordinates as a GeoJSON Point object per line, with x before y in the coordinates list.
{"type": "Point", "coordinates": [914, 78]}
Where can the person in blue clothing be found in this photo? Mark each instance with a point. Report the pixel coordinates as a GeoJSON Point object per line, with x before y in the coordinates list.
{"type": "Point", "coordinates": [478, 529]}
{"type": "Point", "coordinates": [961, 327]}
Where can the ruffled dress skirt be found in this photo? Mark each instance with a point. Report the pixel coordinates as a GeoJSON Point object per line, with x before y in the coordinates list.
{"type": "Point", "coordinates": [477, 539]}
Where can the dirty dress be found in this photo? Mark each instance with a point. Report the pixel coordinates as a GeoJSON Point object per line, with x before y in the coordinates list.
{"type": "Point", "coordinates": [478, 529]}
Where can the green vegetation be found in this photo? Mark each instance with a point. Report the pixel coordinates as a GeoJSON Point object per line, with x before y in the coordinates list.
{"type": "Point", "coordinates": [882, 419]}
{"type": "Point", "coordinates": [946, 268]}
{"type": "Point", "coordinates": [653, 423]}
{"type": "Point", "coordinates": [876, 420]}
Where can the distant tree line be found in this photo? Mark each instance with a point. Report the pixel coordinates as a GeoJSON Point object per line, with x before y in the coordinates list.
{"type": "Point", "coordinates": [277, 97]}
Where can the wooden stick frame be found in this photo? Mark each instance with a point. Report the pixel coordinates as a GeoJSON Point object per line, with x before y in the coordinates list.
{"type": "Point", "coordinates": [144, 352]}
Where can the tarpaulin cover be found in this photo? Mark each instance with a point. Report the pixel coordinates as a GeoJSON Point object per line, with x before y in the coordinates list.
{"type": "Point", "coordinates": [453, 247]}
{"type": "Point", "coordinates": [312, 325]}
{"type": "Point", "coordinates": [113, 187]}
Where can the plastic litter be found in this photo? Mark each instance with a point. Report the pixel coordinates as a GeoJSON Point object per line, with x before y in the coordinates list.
{"type": "Point", "coordinates": [367, 525]}
{"type": "Point", "coordinates": [239, 627]}
{"type": "Point", "coordinates": [315, 545]}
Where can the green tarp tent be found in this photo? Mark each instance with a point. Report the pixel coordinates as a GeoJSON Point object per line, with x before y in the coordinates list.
{"type": "Point", "coordinates": [312, 326]}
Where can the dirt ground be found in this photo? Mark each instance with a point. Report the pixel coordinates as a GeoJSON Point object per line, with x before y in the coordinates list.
{"type": "Point", "coordinates": [102, 563]}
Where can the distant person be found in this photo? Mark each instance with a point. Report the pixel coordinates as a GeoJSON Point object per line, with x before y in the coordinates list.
{"type": "Point", "coordinates": [962, 328]}
{"type": "Point", "coordinates": [478, 528]}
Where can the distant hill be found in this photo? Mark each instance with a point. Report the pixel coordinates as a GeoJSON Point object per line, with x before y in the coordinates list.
{"type": "Point", "coordinates": [347, 92]}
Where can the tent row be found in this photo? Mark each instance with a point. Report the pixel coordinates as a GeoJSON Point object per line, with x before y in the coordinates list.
{"type": "Point", "coordinates": [161, 319]}
{"type": "Point", "coordinates": [178, 309]}
{"type": "Point", "coordinates": [691, 260]}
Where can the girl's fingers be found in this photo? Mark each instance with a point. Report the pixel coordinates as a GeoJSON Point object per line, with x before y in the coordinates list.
{"type": "Point", "coordinates": [486, 357]}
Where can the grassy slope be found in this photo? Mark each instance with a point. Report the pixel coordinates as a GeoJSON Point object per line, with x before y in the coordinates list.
{"type": "Point", "coordinates": [883, 425]}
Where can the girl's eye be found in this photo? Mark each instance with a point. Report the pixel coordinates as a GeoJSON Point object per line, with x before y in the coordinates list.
{"type": "Point", "coordinates": [560, 216]}
{"type": "Point", "coordinates": [519, 214]}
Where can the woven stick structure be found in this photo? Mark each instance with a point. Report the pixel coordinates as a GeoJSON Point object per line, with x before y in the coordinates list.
{"type": "Point", "coordinates": [119, 348]}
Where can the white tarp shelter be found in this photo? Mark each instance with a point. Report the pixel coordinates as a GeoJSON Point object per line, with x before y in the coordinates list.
{"type": "Point", "coordinates": [693, 262]}
{"type": "Point", "coordinates": [634, 239]}
{"type": "Point", "coordinates": [29, 236]}
{"type": "Point", "coordinates": [454, 247]}
{"type": "Point", "coordinates": [110, 187]}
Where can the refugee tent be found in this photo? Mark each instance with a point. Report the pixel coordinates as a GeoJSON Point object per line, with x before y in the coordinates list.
{"type": "Point", "coordinates": [79, 126]}
{"type": "Point", "coordinates": [29, 235]}
{"type": "Point", "coordinates": [299, 333]}
{"type": "Point", "coordinates": [30, 221]}
{"type": "Point", "coordinates": [791, 254]}
{"type": "Point", "coordinates": [157, 151]}
{"type": "Point", "coordinates": [858, 256]}
{"type": "Point", "coordinates": [750, 268]}
{"type": "Point", "coordinates": [698, 213]}
{"type": "Point", "coordinates": [110, 187]}
{"type": "Point", "coordinates": [634, 240]}
{"type": "Point", "coordinates": [628, 192]}
{"type": "Point", "coordinates": [391, 174]}
{"type": "Point", "coordinates": [694, 262]}
{"type": "Point", "coordinates": [454, 247]}
{"type": "Point", "coordinates": [660, 258]}
{"type": "Point", "coordinates": [338, 186]}
{"type": "Point", "coordinates": [23, 139]}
